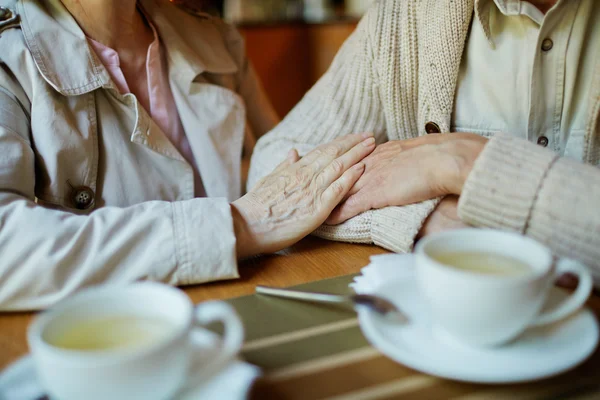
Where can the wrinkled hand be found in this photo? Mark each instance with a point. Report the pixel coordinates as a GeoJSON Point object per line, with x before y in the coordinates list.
{"type": "Point", "coordinates": [402, 172]}
{"type": "Point", "coordinates": [299, 195]}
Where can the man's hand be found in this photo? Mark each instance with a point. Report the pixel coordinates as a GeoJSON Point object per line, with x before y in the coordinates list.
{"type": "Point", "coordinates": [402, 172]}
{"type": "Point", "coordinates": [443, 218]}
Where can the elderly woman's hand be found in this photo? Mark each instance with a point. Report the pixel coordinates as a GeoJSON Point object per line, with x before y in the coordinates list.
{"type": "Point", "coordinates": [398, 172]}
{"type": "Point", "coordinates": [299, 195]}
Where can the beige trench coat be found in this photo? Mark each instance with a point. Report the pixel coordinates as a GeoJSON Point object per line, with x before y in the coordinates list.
{"type": "Point", "coordinates": [91, 190]}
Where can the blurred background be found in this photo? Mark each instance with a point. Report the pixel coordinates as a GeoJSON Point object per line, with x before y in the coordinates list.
{"type": "Point", "coordinates": [290, 42]}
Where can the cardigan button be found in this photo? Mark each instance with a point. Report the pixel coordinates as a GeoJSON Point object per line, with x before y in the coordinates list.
{"type": "Point", "coordinates": [542, 141]}
{"type": "Point", "coordinates": [432, 127]}
{"type": "Point", "coordinates": [83, 197]}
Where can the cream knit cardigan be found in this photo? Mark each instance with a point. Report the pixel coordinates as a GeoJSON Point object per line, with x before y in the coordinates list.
{"type": "Point", "coordinates": [399, 71]}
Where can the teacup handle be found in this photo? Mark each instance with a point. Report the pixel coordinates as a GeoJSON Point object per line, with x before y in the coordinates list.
{"type": "Point", "coordinates": [233, 336]}
{"type": "Point", "coordinates": [575, 300]}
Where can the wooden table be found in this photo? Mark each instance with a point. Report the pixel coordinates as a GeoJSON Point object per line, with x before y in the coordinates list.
{"type": "Point", "coordinates": [368, 376]}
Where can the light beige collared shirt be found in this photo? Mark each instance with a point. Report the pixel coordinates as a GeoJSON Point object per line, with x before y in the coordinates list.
{"type": "Point", "coordinates": [527, 74]}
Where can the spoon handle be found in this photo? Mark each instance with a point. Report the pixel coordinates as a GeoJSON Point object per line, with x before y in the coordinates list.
{"type": "Point", "coordinates": [300, 295]}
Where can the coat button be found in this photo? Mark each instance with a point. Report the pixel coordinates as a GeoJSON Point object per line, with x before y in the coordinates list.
{"type": "Point", "coordinates": [547, 44]}
{"type": "Point", "coordinates": [83, 197]}
{"type": "Point", "coordinates": [432, 127]}
{"type": "Point", "coordinates": [542, 141]}
{"type": "Point", "coordinates": [5, 14]}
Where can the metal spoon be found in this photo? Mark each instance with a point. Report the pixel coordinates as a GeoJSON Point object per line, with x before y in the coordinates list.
{"type": "Point", "coordinates": [375, 303]}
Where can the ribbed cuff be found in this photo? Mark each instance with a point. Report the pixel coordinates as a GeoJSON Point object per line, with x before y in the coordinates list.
{"type": "Point", "coordinates": [395, 228]}
{"type": "Point", "coordinates": [205, 241]}
{"type": "Point", "coordinates": [565, 216]}
{"type": "Point", "coordinates": [501, 190]}
{"type": "Point", "coordinates": [355, 230]}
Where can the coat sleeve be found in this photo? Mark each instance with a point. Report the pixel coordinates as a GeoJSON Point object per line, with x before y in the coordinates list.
{"type": "Point", "coordinates": [345, 100]}
{"type": "Point", "coordinates": [48, 254]}
{"type": "Point", "coordinates": [519, 186]}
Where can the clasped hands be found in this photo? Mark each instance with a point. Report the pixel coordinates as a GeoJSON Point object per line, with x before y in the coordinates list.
{"type": "Point", "coordinates": [339, 180]}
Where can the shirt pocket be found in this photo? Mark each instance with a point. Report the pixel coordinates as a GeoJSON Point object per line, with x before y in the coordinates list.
{"type": "Point", "coordinates": [479, 131]}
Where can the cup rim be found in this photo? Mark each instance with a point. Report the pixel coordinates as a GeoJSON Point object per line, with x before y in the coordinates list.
{"type": "Point", "coordinates": [538, 273]}
{"type": "Point", "coordinates": [37, 327]}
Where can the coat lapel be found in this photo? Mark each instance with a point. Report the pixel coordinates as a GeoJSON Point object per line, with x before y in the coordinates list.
{"type": "Point", "coordinates": [46, 23]}
{"type": "Point", "coordinates": [214, 119]}
{"type": "Point", "coordinates": [213, 116]}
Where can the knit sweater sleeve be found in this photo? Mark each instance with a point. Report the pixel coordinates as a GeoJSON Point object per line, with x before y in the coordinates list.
{"type": "Point", "coordinates": [345, 100]}
{"type": "Point", "coordinates": [519, 186]}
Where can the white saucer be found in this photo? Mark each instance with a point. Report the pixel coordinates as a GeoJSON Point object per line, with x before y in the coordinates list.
{"type": "Point", "coordinates": [231, 381]}
{"type": "Point", "coordinates": [538, 353]}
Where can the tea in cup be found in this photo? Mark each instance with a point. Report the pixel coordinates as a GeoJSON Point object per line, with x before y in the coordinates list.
{"type": "Point", "coordinates": [125, 342]}
{"type": "Point", "coordinates": [485, 287]}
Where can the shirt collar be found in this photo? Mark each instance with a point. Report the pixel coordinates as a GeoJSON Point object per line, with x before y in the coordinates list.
{"type": "Point", "coordinates": [194, 45]}
{"type": "Point", "coordinates": [508, 8]}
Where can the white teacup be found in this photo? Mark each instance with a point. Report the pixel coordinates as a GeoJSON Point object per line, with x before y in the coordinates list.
{"type": "Point", "coordinates": [484, 309]}
{"type": "Point", "coordinates": [146, 359]}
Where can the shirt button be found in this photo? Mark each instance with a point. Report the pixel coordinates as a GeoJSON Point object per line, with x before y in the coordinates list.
{"type": "Point", "coordinates": [83, 197]}
{"type": "Point", "coordinates": [542, 141]}
{"type": "Point", "coordinates": [5, 14]}
{"type": "Point", "coordinates": [432, 127]}
{"type": "Point", "coordinates": [547, 44]}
